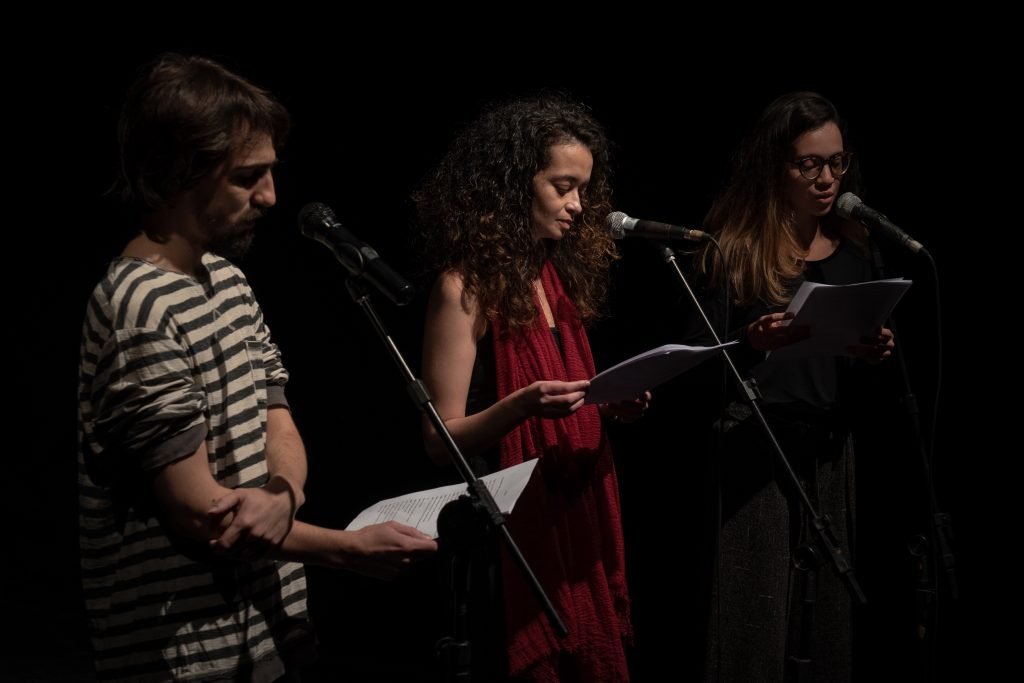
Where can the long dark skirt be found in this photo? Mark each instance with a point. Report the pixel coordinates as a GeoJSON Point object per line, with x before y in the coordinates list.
{"type": "Point", "coordinates": [757, 603]}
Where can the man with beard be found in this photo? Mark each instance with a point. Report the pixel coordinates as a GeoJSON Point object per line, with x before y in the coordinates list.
{"type": "Point", "coordinates": [191, 469]}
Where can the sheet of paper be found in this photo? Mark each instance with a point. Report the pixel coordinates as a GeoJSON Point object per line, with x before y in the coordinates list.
{"type": "Point", "coordinates": [839, 315]}
{"type": "Point", "coordinates": [632, 377]}
{"type": "Point", "coordinates": [420, 509]}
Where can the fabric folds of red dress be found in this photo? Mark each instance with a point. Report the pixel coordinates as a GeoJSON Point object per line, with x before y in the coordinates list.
{"type": "Point", "coordinates": [567, 522]}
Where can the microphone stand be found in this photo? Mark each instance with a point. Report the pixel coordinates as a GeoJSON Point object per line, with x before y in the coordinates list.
{"type": "Point", "coordinates": [462, 523]}
{"type": "Point", "coordinates": [927, 554]}
{"type": "Point", "coordinates": [806, 558]}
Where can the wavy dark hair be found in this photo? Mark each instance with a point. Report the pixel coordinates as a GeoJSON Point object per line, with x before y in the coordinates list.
{"type": "Point", "coordinates": [752, 217]}
{"type": "Point", "coordinates": [181, 119]}
{"type": "Point", "coordinates": [475, 210]}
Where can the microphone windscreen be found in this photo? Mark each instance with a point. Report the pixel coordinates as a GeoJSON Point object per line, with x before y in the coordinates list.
{"type": "Point", "coordinates": [313, 214]}
{"type": "Point", "coordinates": [614, 221]}
{"type": "Point", "coordinates": [847, 204]}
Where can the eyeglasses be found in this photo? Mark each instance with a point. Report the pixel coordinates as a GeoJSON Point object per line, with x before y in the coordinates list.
{"type": "Point", "coordinates": [810, 167]}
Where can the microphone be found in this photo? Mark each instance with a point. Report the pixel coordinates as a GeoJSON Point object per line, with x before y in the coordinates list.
{"type": "Point", "coordinates": [620, 225]}
{"type": "Point", "coordinates": [850, 206]}
{"type": "Point", "coordinates": [317, 221]}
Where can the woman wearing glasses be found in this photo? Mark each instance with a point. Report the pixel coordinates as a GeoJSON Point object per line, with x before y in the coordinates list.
{"type": "Point", "coordinates": [777, 227]}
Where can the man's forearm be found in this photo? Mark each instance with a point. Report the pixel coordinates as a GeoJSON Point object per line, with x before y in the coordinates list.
{"type": "Point", "coordinates": [286, 455]}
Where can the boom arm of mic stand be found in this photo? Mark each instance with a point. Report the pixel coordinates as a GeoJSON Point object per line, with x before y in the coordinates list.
{"type": "Point", "coordinates": [748, 389]}
{"type": "Point", "coordinates": [477, 491]}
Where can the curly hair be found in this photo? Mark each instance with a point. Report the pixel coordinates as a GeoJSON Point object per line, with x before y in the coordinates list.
{"type": "Point", "coordinates": [475, 210]}
{"type": "Point", "coordinates": [752, 217]}
{"type": "Point", "coordinates": [181, 119]}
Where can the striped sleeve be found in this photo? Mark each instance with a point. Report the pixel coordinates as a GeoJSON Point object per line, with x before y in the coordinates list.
{"type": "Point", "coordinates": [146, 401]}
{"type": "Point", "coordinates": [277, 375]}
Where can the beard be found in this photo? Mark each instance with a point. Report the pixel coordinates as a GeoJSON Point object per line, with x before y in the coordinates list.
{"type": "Point", "coordinates": [231, 239]}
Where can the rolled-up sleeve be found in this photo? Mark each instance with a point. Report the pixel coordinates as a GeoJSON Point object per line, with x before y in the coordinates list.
{"type": "Point", "coordinates": [277, 375]}
{"type": "Point", "coordinates": [147, 404]}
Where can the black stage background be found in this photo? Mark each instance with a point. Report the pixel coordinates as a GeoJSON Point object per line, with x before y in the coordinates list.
{"type": "Point", "coordinates": [363, 136]}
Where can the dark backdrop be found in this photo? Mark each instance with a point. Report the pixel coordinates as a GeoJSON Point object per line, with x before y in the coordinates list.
{"type": "Point", "coordinates": [365, 131]}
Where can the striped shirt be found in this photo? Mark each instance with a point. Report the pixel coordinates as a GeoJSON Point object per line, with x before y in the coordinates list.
{"type": "Point", "coordinates": [169, 361]}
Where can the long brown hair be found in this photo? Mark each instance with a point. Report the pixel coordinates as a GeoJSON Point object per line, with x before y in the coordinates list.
{"type": "Point", "coordinates": [752, 217]}
{"type": "Point", "coordinates": [475, 210]}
